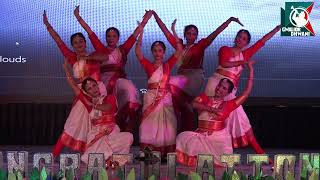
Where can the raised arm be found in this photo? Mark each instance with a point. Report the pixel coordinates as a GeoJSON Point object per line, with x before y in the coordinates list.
{"type": "Point", "coordinates": [146, 64]}
{"type": "Point", "coordinates": [143, 23]}
{"type": "Point", "coordinates": [95, 41]}
{"type": "Point", "coordinates": [179, 46]}
{"type": "Point", "coordinates": [138, 51]}
{"type": "Point", "coordinates": [248, 53]}
{"type": "Point", "coordinates": [222, 27]}
{"type": "Point", "coordinates": [170, 37]}
{"type": "Point", "coordinates": [70, 79]}
{"type": "Point", "coordinates": [268, 36]}
{"type": "Point", "coordinates": [67, 53]}
{"type": "Point", "coordinates": [240, 100]}
{"type": "Point", "coordinates": [127, 45]}
{"type": "Point", "coordinates": [85, 26]}
{"type": "Point", "coordinates": [50, 29]}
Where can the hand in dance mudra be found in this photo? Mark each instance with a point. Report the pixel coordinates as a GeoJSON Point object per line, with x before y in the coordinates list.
{"type": "Point", "coordinates": [236, 20]}
{"type": "Point", "coordinates": [146, 16]}
{"type": "Point", "coordinates": [250, 64]}
{"type": "Point", "coordinates": [76, 11]}
{"type": "Point", "coordinates": [45, 18]}
{"type": "Point", "coordinates": [173, 28]}
{"type": "Point", "coordinates": [140, 28]}
{"type": "Point", "coordinates": [179, 42]}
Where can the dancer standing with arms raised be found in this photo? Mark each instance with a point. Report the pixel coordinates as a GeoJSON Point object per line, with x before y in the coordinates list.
{"type": "Point", "coordinates": [158, 126]}
{"type": "Point", "coordinates": [76, 126]}
{"type": "Point", "coordinates": [190, 79]}
{"type": "Point", "coordinates": [113, 72]}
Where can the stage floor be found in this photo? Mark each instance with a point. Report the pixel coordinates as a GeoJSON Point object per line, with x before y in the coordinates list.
{"type": "Point", "coordinates": [267, 169]}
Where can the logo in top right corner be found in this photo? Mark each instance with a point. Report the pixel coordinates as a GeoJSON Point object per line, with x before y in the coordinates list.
{"type": "Point", "coordinates": [295, 19]}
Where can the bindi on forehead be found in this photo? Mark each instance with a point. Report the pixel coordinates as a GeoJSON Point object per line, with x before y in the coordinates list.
{"type": "Point", "coordinates": [225, 84]}
{"type": "Point", "coordinates": [78, 39]}
{"type": "Point", "coordinates": [112, 33]}
{"type": "Point", "coordinates": [192, 31]}
{"type": "Point", "coordinates": [91, 83]}
{"type": "Point", "coordinates": [243, 34]}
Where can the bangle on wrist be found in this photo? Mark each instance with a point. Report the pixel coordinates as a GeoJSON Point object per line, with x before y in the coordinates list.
{"type": "Point", "coordinates": [138, 40]}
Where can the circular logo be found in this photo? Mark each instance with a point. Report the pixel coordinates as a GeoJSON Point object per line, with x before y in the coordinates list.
{"type": "Point", "coordinates": [299, 17]}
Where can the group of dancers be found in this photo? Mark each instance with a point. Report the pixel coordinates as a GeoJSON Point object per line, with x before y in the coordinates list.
{"type": "Point", "coordinates": [106, 109]}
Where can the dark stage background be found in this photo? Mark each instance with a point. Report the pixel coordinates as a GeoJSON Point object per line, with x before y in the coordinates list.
{"type": "Point", "coordinates": [292, 126]}
{"type": "Point", "coordinates": [287, 66]}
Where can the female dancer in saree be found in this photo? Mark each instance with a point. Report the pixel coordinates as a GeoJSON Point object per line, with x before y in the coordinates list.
{"type": "Point", "coordinates": [76, 126]}
{"type": "Point", "coordinates": [113, 72]}
{"type": "Point", "coordinates": [212, 136]}
{"type": "Point", "coordinates": [231, 60]}
{"type": "Point", "coordinates": [104, 135]}
{"type": "Point", "coordinates": [190, 79]}
{"type": "Point", "coordinates": [158, 124]}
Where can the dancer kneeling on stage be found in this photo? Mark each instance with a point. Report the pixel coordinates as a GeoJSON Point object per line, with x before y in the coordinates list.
{"type": "Point", "coordinates": [212, 136]}
{"type": "Point", "coordinates": [104, 135]}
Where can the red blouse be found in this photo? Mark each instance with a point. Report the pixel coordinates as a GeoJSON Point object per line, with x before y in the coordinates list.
{"type": "Point", "coordinates": [228, 106]}
{"type": "Point", "coordinates": [92, 68]}
{"type": "Point", "coordinates": [110, 99]}
{"type": "Point", "coordinates": [150, 68]}
{"type": "Point", "coordinates": [124, 48]}
{"type": "Point", "coordinates": [194, 57]}
{"type": "Point", "coordinates": [225, 52]}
